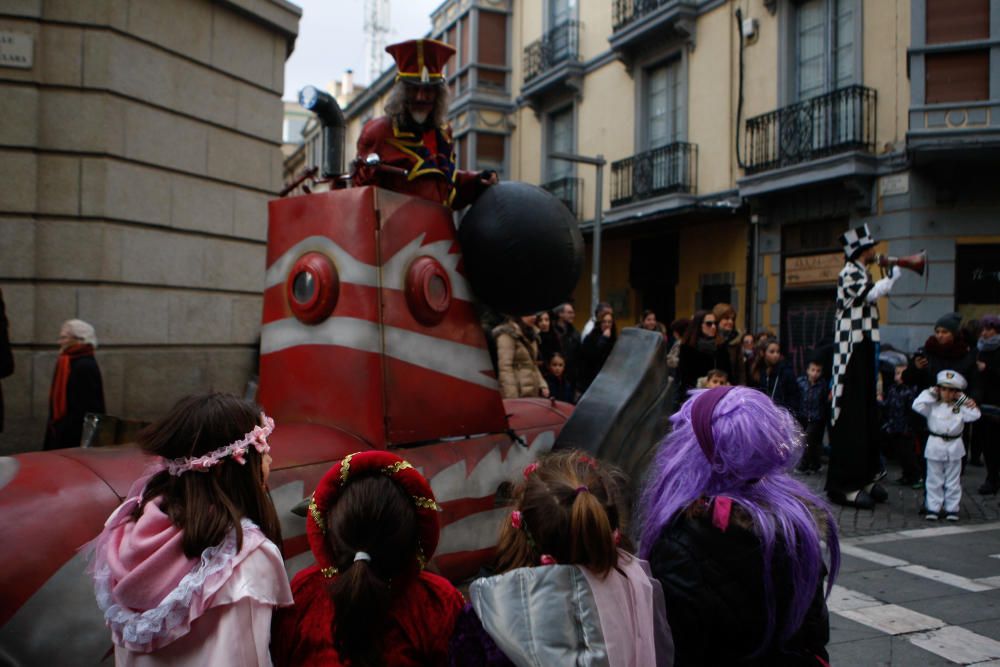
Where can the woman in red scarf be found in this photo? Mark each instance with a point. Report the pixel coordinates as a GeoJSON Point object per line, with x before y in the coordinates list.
{"type": "Point", "coordinates": [76, 385]}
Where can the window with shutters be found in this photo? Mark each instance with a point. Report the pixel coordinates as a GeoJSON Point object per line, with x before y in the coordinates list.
{"type": "Point", "coordinates": [663, 104]}
{"type": "Point", "coordinates": [961, 75]}
{"type": "Point", "coordinates": [559, 139]}
{"type": "Point", "coordinates": [826, 56]}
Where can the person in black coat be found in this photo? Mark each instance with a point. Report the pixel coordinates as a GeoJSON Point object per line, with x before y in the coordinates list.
{"type": "Point", "coordinates": [736, 543]}
{"type": "Point", "coordinates": [987, 429]}
{"type": "Point", "coordinates": [944, 351]}
{"type": "Point", "coordinates": [774, 376]}
{"type": "Point", "coordinates": [700, 352]}
{"type": "Point", "coordinates": [6, 356]}
{"type": "Point", "coordinates": [77, 387]}
{"type": "Point", "coordinates": [560, 386]}
{"type": "Point", "coordinates": [569, 339]}
{"type": "Point", "coordinates": [595, 350]}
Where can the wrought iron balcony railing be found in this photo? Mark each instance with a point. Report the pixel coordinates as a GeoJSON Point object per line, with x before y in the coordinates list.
{"type": "Point", "coordinates": [669, 169]}
{"type": "Point", "coordinates": [836, 122]}
{"type": "Point", "coordinates": [559, 44]}
{"type": "Point", "coordinates": [624, 12]}
{"type": "Point", "coordinates": [568, 190]}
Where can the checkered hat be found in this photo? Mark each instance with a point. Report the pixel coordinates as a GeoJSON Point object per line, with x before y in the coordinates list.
{"type": "Point", "coordinates": [951, 379]}
{"type": "Point", "coordinates": [857, 239]}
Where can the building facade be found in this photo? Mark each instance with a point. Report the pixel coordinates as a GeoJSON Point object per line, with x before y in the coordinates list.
{"type": "Point", "coordinates": [741, 138]}
{"type": "Point", "coordinates": [139, 147]}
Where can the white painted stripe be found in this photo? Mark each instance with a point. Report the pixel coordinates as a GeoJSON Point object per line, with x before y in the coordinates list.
{"type": "Point", "coordinates": [992, 582]}
{"type": "Point", "coordinates": [939, 531]}
{"type": "Point", "coordinates": [921, 532]}
{"type": "Point", "coordinates": [872, 556]}
{"type": "Point", "coordinates": [394, 269]}
{"type": "Point", "coordinates": [462, 362]}
{"type": "Point", "coordinates": [994, 555]}
{"type": "Point", "coordinates": [354, 271]}
{"type": "Point", "coordinates": [473, 532]}
{"type": "Point", "coordinates": [892, 619]}
{"type": "Point", "coordinates": [951, 642]}
{"type": "Point", "coordinates": [943, 577]}
{"type": "Point", "coordinates": [349, 269]}
{"type": "Point", "coordinates": [496, 467]}
{"type": "Point", "coordinates": [940, 576]}
{"type": "Point", "coordinates": [957, 645]}
{"type": "Point", "coordinates": [844, 599]}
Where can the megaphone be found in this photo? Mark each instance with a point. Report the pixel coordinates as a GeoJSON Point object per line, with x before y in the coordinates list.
{"type": "Point", "coordinates": [916, 262]}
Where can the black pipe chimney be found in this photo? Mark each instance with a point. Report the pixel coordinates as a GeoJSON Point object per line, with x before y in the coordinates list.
{"type": "Point", "coordinates": [332, 120]}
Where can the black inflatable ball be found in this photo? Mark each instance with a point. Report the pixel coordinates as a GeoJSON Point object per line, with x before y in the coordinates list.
{"type": "Point", "coordinates": [521, 248]}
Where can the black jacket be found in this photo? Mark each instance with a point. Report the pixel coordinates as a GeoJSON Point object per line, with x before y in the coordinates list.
{"type": "Point", "coordinates": [569, 344]}
{"type": "Point", "coordinates": [694, 363]}
{"type": "Point", "coordinates": [6, 356]}
{"type": "Point", "coordinates": [780, 384]}
{"type": "Point", "coordinates": [560, 389]}
{"type": "Point", "coordinates": [956, 357]}
{"type": "Point", "coordinates": [990, 377]}
{"type": "Point", "coordinates": [84, 393]}
{"type": "Point", "coordinates": [594, 351]}
{"type": "Point", "coordinates": [713, 585]}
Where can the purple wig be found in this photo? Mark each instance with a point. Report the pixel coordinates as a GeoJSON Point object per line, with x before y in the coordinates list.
{"type": "Point", "coordinates": [755, 445]}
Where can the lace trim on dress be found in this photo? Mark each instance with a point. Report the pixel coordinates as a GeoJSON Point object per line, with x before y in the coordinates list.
{"type": "Point", "coordinates": [148, 630]}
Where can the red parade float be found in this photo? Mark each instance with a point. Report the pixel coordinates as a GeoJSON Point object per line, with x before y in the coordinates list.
{"type": "Point", "coordinates": [369, 340]}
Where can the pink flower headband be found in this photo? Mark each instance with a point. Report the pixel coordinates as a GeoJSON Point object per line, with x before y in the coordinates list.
{"type": "Point", "coordinates": [257, 437]}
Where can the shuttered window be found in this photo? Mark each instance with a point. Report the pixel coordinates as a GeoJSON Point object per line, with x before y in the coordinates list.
{"type": "Point", "coordinates": [663, 104]}
{"type": "Point", "coordinates": [824, 46]}
{"type": "Point", "coordinates": [957, 20]}
{"type": "Point", "coordinates": [962, 76]}
{"type": "Point", "coordinates": [560, 139]}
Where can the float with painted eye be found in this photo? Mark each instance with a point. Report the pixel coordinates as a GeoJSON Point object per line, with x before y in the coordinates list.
{"type": "Point", "coordinates": [369, 340]}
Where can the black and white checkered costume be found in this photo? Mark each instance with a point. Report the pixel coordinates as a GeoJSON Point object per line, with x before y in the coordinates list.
{"type": "Point", "coordinates": [856, 321]}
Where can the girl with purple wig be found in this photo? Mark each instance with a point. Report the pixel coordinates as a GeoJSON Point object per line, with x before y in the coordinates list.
{"type": "Point", "coordinates": [734, 539]}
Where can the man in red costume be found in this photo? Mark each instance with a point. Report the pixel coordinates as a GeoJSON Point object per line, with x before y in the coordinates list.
{"type": "Point", "coordinates": [414, 136]}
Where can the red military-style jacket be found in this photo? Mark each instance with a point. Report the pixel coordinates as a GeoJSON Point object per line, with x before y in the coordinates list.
{"type": "Point", "coordinates": [429, 158]}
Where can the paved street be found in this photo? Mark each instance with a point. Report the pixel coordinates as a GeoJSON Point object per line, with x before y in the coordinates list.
{"type": "Point", "coordinates": [914, 592]}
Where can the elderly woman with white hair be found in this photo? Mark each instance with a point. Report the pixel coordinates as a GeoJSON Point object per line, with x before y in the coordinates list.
{"type": "Point", "coordinates": [76, 385]}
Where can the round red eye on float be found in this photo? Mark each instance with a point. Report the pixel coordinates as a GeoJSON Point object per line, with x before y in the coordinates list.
{"type": "Point", "coordinates": [312, 287]}
{"type": "Point", "coordinates": [428, 290]}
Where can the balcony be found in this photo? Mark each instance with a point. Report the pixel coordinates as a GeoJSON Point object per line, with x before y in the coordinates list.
{"type": "Point", "coordinates": [568, 191]}
{"type": "Point", "coordinates": [552, 63]}
{"type": "Point", "coordinates": [954, 131]}
{"type": "Point", "coordinates": [638, 24]}
{"type": "Point", "coordinates": [841, 121]}
{"type": "Point", "coordinates": [670, 169]}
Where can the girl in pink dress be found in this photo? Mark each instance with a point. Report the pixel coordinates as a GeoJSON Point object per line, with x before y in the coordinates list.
{"type": "Point", "coordinates": [188, 569]}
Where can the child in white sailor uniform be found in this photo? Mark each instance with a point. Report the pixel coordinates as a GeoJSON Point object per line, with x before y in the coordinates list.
{"type": "Point", "coordinates": [947, 410]}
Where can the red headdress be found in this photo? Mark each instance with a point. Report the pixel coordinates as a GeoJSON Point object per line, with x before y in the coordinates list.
{"type": "Point", "coordinates": [421, 61]}
{"type": "Point", "coordinates": [363, 463]}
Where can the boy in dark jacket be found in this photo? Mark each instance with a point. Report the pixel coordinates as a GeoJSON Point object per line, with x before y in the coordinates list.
{"type": "Point", "coordinates": [774, 376]}
{"type": "Point", "coordinates": [813, 415]}
{"type": "Point", "coordinates": [898, 425]}
{"type": "Point", "coordinates": [560, 386]}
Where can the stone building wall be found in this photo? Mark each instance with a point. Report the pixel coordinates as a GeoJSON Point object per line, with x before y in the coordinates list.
{"type": "Point", "coordinates": [137, 156]}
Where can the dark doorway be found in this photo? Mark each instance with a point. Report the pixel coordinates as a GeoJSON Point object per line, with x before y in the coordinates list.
{"type": "Point", "coordinates": [653, 274]}
{"type": "Point", "coordinates": [715, 294]}
{"type": "Point", "coordinates": [806, 323]}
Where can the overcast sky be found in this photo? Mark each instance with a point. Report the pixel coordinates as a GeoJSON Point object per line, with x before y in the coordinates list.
{"type": "Point", "coordinates": [332, 39]}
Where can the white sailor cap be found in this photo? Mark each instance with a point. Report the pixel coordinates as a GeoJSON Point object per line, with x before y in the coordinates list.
{"type": "Point", "coordinates": [951, 379]}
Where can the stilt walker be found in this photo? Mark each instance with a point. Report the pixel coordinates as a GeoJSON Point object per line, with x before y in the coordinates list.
{"type": "Point", "coordinates": [854, 455]}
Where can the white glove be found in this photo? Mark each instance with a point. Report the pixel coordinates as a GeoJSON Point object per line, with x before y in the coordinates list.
{"type": "Point", "coordinates": [882, 286]}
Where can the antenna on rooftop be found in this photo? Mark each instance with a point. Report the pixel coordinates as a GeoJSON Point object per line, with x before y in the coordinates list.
{"type": "Point", "coordinates": [376, 31]}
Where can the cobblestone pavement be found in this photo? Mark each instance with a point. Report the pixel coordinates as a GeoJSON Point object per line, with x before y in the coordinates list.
{"type": "Point", "coordinates": [902, 511]}
{"type": "Point", "coordinates": [916, 592]}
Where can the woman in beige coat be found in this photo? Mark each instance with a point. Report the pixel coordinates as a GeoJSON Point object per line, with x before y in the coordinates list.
{"type": "Point", "coordinates": [517, 354]}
